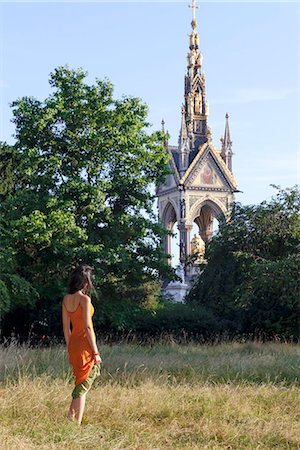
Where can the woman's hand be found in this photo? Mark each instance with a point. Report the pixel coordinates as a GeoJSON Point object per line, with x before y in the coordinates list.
{"type": "Point", "coordinates": [97, 358]}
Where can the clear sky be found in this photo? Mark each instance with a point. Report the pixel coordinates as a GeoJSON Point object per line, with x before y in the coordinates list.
{"type": "Point", "coordinates": [251, 60]}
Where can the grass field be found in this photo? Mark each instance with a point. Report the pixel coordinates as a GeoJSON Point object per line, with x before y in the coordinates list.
{"type": "Point", "coordinates": [225, 396]}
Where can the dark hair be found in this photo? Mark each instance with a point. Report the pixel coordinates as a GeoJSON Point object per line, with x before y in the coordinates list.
{"type": "Point", "coordinates": [81, 276]}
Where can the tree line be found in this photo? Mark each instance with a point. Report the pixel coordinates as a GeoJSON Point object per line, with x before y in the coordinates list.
{"type": "Point", "coordinates": [76, 187]}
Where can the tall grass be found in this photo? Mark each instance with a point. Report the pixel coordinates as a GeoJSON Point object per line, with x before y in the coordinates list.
{"type": "Point", "coordinates": [253, 362]}
{"type": "Point", "coordinates": [226, 396]}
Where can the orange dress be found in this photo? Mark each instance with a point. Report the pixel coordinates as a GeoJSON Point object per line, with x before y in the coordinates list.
{"type": "Point", "coordinates": [79, 349]}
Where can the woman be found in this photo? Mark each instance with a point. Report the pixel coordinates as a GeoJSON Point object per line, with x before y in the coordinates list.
{"type": "Point", "coordinates": [81, 341]}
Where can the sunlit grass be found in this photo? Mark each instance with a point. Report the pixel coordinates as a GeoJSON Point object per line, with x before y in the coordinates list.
{"type": "Point", "coordinates": [124, 363]}
{"type": "Point", "coordinates": [225, 396]}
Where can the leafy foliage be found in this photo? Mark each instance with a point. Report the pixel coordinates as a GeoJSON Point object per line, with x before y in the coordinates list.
{"type": "Point", "coordinates": [76, 187]}
{"type": "Point", "coordinates": [252, 275]}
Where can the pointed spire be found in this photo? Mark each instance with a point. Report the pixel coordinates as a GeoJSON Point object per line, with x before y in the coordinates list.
{"type": "Point", "coordinates": [209, 134]}
{"type": "Point", "coordinates": [164, 132]}
{"type": "Point", "coordinates": [227, 140]}
{"type": "Point", "coordinates": [183, 144]}
{"type": "Point", "coordinates": [226, 150]}
{"type": "Point", "coordinates": [194, 6]}
{"type": "Point", "coordinates": [194, 38]}
{"type": "Point", "coordinates": [183, 135]}
{"type": "Point", "coordinates": [196, 107]}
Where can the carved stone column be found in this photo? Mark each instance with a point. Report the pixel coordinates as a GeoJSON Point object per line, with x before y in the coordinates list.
{"type": "Point", "coordinates": [188, 238]}
{"type": "Point", "coordinates": [167, 245]}
{"type": "Point", "coordinates": [184, 241]}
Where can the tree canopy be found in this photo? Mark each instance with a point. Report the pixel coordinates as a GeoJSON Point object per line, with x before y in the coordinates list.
{"type": "Point", "coordinates": [251, 280]}
{"type": "Point", "coordinates": [76, 186]}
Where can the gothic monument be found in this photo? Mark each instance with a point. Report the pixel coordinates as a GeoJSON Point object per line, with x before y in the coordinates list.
{"type": "Point", "coordinates": [202, 184]}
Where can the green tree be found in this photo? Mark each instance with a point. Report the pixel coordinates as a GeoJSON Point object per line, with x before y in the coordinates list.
{"type": "Point", "coordinates": [78, 189]}
{"type": "Point", "coordinates": [14, 289]}
{"type": "Point", "coordinates": [251, 281]}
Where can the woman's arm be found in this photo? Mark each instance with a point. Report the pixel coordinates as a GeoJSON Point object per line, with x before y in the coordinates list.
{"type": "Point", "coordinates": [66, 324]}
{"type": "Point", "coordinates": [88, 325]}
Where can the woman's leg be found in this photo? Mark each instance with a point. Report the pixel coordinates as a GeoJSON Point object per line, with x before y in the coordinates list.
{"type": "Point", "coordinates": [77, 408]}
{"type": "Point", "coordinates": [71, 415]}
{"type": "Point", "coordinates": [79, 395]}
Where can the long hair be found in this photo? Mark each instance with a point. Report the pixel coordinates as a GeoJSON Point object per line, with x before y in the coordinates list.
{"type": "Point", "coordinates": [79, 278]}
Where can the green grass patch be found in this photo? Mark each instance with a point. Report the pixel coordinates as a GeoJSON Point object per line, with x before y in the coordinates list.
{"type": "Point", "coordinates": [226, 396]}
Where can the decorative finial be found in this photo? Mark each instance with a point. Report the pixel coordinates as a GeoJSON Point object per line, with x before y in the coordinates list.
{"type": "Point", "coordinates": [226, 151]}
{"type": "Point", "coordinates": [227, 141]}
{"type": "Point", "coordinates": [194, 6]}
{"type": "Point", "coordinates": [209, 134]}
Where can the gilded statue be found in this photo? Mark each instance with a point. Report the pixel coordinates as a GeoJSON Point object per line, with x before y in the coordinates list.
{"type": "Point", "coordinates": [197, 247]}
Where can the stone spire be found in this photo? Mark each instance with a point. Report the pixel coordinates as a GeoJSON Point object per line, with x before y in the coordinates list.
{"type": "Point", "coordinates": [226, 150]}
{"type": "Point", "coordinates": [183, 145]}
{"type": "Point", "coordinates": [196, 107]}
{"type": "Point", "coordinates": [183, 130]}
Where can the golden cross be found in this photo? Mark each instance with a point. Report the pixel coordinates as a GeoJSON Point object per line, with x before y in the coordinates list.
{"type": "Point", "coordinates": [194, 6]}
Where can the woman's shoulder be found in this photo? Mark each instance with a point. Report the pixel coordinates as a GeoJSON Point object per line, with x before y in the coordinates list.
{"type": "Point", "coordinates": [83, 298]}
{"type": "Point", "coordinates": [78, 298]}
{"type": "Point", "coordinates": [66, 297]}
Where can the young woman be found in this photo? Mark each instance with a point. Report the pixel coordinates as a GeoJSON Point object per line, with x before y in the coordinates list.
{"type": "Point", "coordinates": [81, 341]}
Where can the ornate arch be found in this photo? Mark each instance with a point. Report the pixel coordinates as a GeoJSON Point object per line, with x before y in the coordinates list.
{"type": "Point", "coordinates": [217, 207]}
{"type": "Point", "coordinates": [169, 215]}
{"type": "Point", "coordinates": [203, 212]}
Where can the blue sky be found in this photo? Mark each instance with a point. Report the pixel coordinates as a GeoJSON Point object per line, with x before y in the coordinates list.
{"type": "Point", "coordinates": [251, 59]}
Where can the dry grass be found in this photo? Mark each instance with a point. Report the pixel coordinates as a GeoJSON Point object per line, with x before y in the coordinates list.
{"type": "Point", "coordinates": [150, 398]}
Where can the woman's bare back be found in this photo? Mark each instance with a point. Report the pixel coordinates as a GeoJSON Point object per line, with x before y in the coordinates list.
{"type": "Point", "coordinates": [72, 301]}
